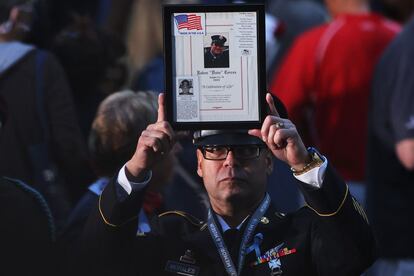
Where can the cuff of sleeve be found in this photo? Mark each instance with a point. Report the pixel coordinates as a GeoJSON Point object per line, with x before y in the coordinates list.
{"type": "Point", "coordinates": [315, 176]}
{"type": "Point", "coordinates": [330, 198]}
{"type": "Point", "coordinates": [130, 186]}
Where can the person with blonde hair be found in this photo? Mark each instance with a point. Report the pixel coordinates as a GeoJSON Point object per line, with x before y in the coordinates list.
{"type": "Point", "coordinates": [120, 118]}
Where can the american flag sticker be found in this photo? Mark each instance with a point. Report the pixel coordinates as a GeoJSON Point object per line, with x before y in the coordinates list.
{"type": "Point", "coordinates": [190, 23]}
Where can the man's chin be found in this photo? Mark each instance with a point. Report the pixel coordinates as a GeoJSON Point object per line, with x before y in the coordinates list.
{"type": "Point", "coordinates": [235, 193]}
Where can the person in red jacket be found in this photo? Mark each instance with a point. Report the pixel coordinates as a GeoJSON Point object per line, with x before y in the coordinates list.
{"type": "Point", "coordinates": [325, 80]}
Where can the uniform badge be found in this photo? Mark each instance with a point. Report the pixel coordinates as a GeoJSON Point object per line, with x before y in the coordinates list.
{"type": "Point", "coordinates": [264, 220]}
{"type": "Point", "coordinates": [185, 266]}
{"type": "Point", "coordinates": [188, 257]}
{"type": "Point", "coordinates": [272, 258]}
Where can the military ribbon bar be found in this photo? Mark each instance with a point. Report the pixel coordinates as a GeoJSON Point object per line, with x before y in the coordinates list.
{"type": "Point", "coordinates": [272, 255]}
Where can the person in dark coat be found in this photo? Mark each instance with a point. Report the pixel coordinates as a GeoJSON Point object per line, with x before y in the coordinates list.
{"type": "Point", "coordinates": [27, 230]}
{"type": "Point", "coordinates": [42, 118]}
{"type": "Point", "coordinates": [217, 55]}
{"type": "Point", "coordinates": [120, 118]}
{"type": "Point", "coordinates": [242, 233]}
{"type": "Point", "coordinates": [390, 156]}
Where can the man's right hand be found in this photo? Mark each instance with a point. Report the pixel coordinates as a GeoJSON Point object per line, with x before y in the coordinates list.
{"type": "Point", "coordinates": [154, 144]}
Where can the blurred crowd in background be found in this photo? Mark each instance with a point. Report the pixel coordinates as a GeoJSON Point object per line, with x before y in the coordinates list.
{"type": "Point", "coordinates": [78, 84]}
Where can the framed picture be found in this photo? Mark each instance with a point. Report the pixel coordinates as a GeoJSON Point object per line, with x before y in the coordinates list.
{"type": "Point", "coordinates": [215, 66]}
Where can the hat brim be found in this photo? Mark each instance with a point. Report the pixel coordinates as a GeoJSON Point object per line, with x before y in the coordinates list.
{"type": "Point", "coordinates": [229, 138]}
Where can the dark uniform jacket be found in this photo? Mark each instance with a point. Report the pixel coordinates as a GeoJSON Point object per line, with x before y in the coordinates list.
{"type": "Point", "coordinates": [219, 61]}
{"type": "Point", "coordinates": [338, 244]}
{"type": "Point", "coordinates": [23, 129]}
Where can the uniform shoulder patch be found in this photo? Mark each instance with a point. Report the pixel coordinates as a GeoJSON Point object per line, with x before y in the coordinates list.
{"type": "Point", "coordinates": [360, 210]}
{"type": "Point", "coordinates": [190, 218]}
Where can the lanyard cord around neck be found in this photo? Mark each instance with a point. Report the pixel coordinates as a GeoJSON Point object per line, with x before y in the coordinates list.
{"type": "Point", "coordinates": [247, 235]}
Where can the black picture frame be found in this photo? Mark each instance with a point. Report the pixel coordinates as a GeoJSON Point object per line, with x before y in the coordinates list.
{"type": "Point", "coordinates": [257, 96]}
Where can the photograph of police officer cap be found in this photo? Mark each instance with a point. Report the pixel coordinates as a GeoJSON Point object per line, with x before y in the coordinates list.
{"type": "Point", "coordinates": [243, 234]}
{"type": "Point", "coordinates": [217, 55]}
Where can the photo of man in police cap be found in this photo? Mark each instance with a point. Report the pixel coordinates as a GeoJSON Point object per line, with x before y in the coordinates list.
{"type": "Point", "coordinates": [217, 55]}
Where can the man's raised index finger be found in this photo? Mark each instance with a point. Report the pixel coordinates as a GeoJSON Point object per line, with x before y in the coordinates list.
{"type": "Point", "coordinates": [271, 103]}
{"type": "Point", "coordinates": [161, 108]}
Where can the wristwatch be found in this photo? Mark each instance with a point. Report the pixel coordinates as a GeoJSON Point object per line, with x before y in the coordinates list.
{"type": "Point", "coordinates": [316, 161]}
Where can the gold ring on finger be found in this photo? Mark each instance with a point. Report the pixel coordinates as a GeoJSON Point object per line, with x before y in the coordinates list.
{"type": "Point", "coordinates": [279, 125]}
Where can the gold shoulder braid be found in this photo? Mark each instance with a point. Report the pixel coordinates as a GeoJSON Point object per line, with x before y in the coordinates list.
{"type": "Point", "coordinates": [190, 218]}
{"type": "Point", "coordinates": [337, 210]}
{"type": "Point", "coordinates": [106, 221]}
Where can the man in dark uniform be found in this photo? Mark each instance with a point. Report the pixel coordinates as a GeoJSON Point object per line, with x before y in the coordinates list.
{"type": "Point", "coordinates": [243, 234]}
{"type": "Point", "coordinates": [216, 56]}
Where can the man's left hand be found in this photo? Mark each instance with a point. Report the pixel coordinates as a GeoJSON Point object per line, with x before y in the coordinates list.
{"type": "Point", "coordinates": [282, 138]}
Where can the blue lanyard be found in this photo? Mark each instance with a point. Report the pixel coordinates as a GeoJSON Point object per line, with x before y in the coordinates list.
{"type": "Point", "coordinates": [247, 235]}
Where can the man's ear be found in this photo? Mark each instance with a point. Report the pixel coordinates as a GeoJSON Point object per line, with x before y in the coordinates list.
{"type": "Point", "coordinates": [14, 15]}
{"type": "Point", "coordinates": [199, 158]}
{"type": "Point", "coordinates": [7, 26]}
{"type": "Point", "coordinates": [269, 162]}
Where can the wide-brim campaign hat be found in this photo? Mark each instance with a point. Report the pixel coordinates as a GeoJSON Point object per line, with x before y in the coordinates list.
{"type": "Point", "coordinates": [222, 137]}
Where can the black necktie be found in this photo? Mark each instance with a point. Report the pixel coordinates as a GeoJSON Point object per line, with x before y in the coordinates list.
{"type": "Point", "coordinates": [232, 240]}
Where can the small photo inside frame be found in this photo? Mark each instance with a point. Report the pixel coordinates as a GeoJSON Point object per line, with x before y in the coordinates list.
{"type": "Point", "coordinates": [214, 66]}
